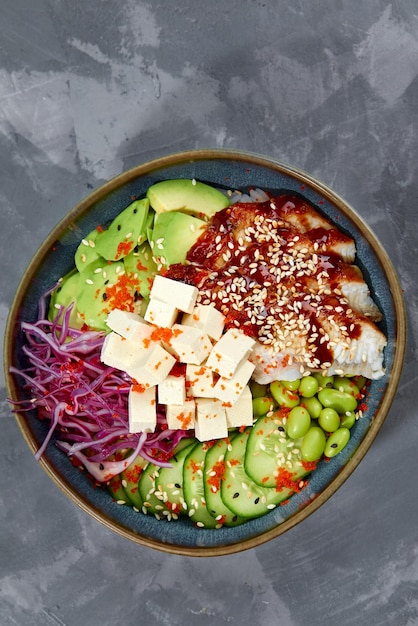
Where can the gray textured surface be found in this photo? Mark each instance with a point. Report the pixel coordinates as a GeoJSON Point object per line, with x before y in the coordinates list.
{"type": "Point", "coordinates": [88, 89]}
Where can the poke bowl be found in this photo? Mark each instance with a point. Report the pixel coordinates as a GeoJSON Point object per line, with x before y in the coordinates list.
{"type": "Point", "coordinates": [190, 402]}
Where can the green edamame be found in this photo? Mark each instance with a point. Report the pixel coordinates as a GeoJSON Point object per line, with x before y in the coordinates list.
{"type": "Point", "coordinates": [336, 442]}
{"type": "Point", "coordinates": [313, 444]}
{"type": "Point", "coordinates": [324, 381]}
{"type": "Point", "coordinates": [261, 406]}
{"type": "Point", "coordinates": [313, 405]}
{"type": "Point", "coordinates": [308, 386]}
{"type": "Point", "coordinates": [329, 420]}
{"type": "Point", "coordinates": [347, 385]}
{"type": "Point", "coordinates": [298, 422]}
{"type": "Point", "coordinates": [338, 400]}
{"type": "Point", "coordinates": [348, 419]}
{"type": "Point", "coordinates": [292, 385]}
{"type": "Point", "coordinates": [257, 390]}
{"type": "Point", "coordinates": [284, 397]}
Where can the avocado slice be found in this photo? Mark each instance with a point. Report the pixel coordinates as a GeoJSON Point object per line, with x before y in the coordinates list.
{"type": "Point", "coordinates": [63, 296]}
{"type": "Point", "coordinates": [86, 252]}
{"type": "Point", "coordinates": [93, 301]}
{"type": "Point", "coordinates": [173, 235]}
{"type": "Point", "coordinates": [188, 196]}
{"type": "Point", "coordinates": [125, 231]}
{"type": "Point", "coordinates": [140, 265]}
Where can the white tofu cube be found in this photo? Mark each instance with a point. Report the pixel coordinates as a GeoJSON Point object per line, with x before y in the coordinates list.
{"type": "Point", "coordinates": [142, 407]}
{"type": "Point", "coordinates": [189, 344]}
{"type": "Point", "coordinates": [241, 412]}
{"type": "Point", "coordinates": [118, 352]}
{"type": "Point", "coordinates": [128, 325]}
{"type": "Point", "coordinates": [172, 390]}
{"type": "Point", "coordinates": [174, 292]}
{"type": "Point", "coordinates": [210, 419]}
{"type": "Point", "coordinates": [229, 389]}
{"type": "Point", "coordinates": [231, 349]}
{"type": "Point", "coordinates": [152, 366]}
{"type": "Point", "coordinates": [181, 416]}
{"type": "Point", "coordinates": [207, 318]}
{"type": "Point", "coordinates": [160, 313]}
{"type": "Point", "coordinates": [199, 381]}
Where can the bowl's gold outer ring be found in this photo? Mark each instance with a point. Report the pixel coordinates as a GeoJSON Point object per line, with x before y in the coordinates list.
{"type": "Point", "coordinates": [399, 305]}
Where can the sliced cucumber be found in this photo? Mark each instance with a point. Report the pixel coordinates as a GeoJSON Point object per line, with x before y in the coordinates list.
{"type": "Point", "coordinates": [214, 469]}
{"type": "Point", "coordinates": [146, 490]}
{"type": "Point", "coordinates": [271, 455]}
{"type": "Point", "coordinates": [169, 483]}
{"type": "Point", "coordinates": [118, 493]}
{"type": "Point", "coordinates": [130, 478]}
{"type": "Point", "coordinates": [193, 486]}
{"type": "Point", "coordinates": [239, 492]}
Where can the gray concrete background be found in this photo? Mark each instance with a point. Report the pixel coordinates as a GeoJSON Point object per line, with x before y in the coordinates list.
{"type": "Point", "coordinates": [89, 88]}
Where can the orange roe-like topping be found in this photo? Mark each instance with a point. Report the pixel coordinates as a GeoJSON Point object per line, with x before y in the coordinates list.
{"type": "Point", "coordinates": [124, 248]}
{"type": "Point", "coordinates": [216, 476]}
{"type": "Point", "coordinates": [285, 480]}
{"type": "Point", "coordinates": [121, 295]}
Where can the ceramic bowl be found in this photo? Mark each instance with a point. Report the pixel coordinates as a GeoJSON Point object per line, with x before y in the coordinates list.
{"type": "Point", "coordinates": [56, 257]}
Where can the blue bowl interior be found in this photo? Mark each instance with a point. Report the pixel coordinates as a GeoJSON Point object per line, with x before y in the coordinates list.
{"type": "Point", "coordinates": [57, 258]}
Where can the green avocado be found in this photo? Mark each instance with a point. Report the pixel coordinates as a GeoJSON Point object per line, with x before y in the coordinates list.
{"type": "Point", "coordinates": [92, 292]}
{"type": "Point", "coordinates": [173, 235]}
{"type": "Point", "coordinates": [125, 232]}
{"type": "Point", "coordinates": [188, 196]}
{"type": "Point", "coordinates": [86, 252]}
{"type": "Point", "coordinates": [141, 267]}
{"type": "Point", "coordinates": [64, 295]}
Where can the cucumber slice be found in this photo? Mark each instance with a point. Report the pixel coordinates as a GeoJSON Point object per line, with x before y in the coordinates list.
{"type": "Point", "coordinates": [214, 469]}
{"type": "Point", "coordinates": [116, 490]}
{"type": "Point", "coordinates": [130, 478]}
{"type": "Point", "coordinates": [272, 457]}
{"type": "Point", "coordinates": [146, 490]}
{"type": "Point", "coordinates": [239, 492]}
{"type": "Point", "coordinates": [193, 487]}
{"type": "Point", "coordinates": [169, 483]}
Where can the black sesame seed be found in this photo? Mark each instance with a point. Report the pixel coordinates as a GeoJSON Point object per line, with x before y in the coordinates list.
{"type": "Point", "coordinates": [104, 296]}
{"type": "Point", "coordinates": [235, 517]}
{"type": "Point", "coordinates": [236, 494]}
{"type": "Point", "coordinates": [101, 466]}
{"type": "Point", "coordinates": [257, 500]}
{"type": "Point", "coordinates": [119, 226]}
{"type": "Point", "coordinates": [177, 485]}
{"type": "Point", "coordinates": [334, 445]}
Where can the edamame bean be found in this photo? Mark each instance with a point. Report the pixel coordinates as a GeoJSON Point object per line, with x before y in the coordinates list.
{"type": "Point", "coordinates": [360, 381]}
{"type": "Point", "coordinates": [338, 400]}
{"type": "Point", "coordinates": [313, 444]}
{"type": "Point", "coordinates": [347, 385]}
{"type": "Point", "coordinates": [283, 396]}
{"type": "Point", "coordinates": [308, 387]}
{"type": "Point", "coordinates": [257, 390]}
{"type": "Point", "coordinates": [329, 420]}
{"type": "Point", "coordinates": [313, 405]}
{"type": "Point", "coordinates": [292, 385]}
{"type": "Point", "coordinates": [261, 406]}
{"type": "Point", "coordinates": [348, 419]}
{"type": "Point", "coordinates": [298, 422]}
{"type": "Point", "coordinates": [324, 381]}
{"type": "Point", "coordinates": [336, 442]}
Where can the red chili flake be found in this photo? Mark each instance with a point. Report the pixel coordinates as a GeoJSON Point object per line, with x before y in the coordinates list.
{"type": "Point", "coordinates": [99, 229]}
{"type": "Point", "coordinates": [138, 387]}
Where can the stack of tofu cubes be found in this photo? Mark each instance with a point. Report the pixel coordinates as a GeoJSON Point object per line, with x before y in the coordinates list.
{"type": "Point", "coordinates": [213, 394]}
